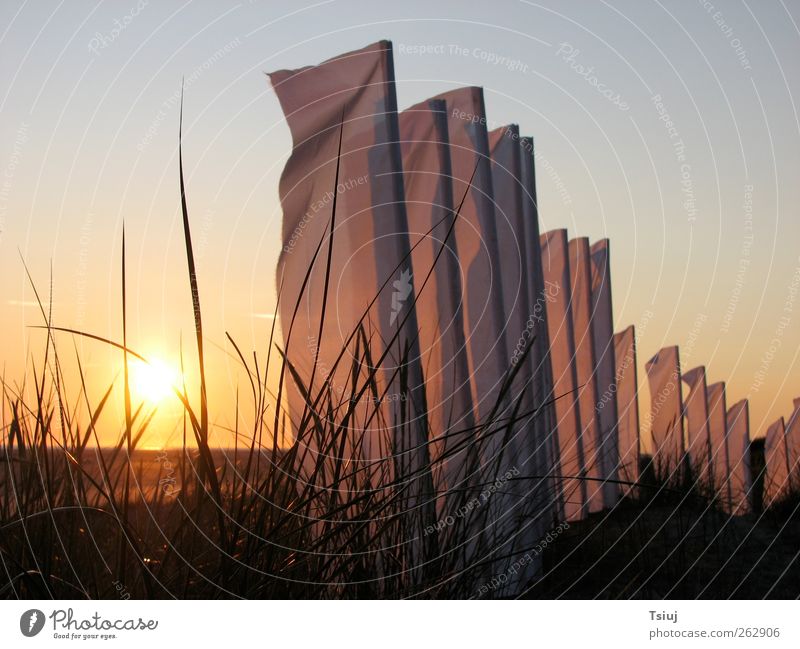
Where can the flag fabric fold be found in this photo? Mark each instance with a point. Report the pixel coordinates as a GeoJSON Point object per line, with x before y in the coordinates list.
{"type": "Point", "coordinates": [697, 433]}
{"type": "Point", "coordinates": [527, 513]}
{"type": "Point", "coordinates": [666, 413]}
{"type": "Point", "coordinates": [570, 487]}
{"type": "Point", "coordinates": [536, 323]}
{"type": "Point", "coordinates": [738, 422]}
{"type": "Point", "coordinates": [776, 463]}
{"type": "Point", "coordinates": [605, 367]}
{"type": "Point", "coordinates": [718, 432]}
{"type": "Point", "coordinates": [793, 445]}
{"type": "Point", "coordinates": [483, 308]}
{"type": "Point", "coordinates": [435, 258]}
{"type": "Point", "coordinates": [627, 393]}
{"type": "Point", "coordinates": [344, 273]}
{"type": "Point", "coordinates": [584, 361]}
{"type": "Point", "coordinates": [476, 236]}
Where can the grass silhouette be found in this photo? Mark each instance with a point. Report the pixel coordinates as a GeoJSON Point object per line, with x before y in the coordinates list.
{"type": "Point", "coordinates": [313, 519]}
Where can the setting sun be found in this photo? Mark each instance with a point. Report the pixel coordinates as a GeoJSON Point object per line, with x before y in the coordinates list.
{"type": "Point", "coordinates": [152, 381]}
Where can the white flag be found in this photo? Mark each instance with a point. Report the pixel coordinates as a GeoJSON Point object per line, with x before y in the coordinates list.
{"type": "Point", "coordinates": [717, 428]}
{"type": "Point", "coordinates": [366, 279]}
{"type": "Point", "coordinates": [531, 500]}
{"type": "Point", "coordinates": [430, 209]}
{"type": "Point", "coordinates": [698, 438]}
{"type": "Point", "coordinates": [793, 445]}
{"type": "Point", "coordinates": [581, 292]}
{"type": "Point", "coordinates": [478, 251]}
{"type": "Point", "coordinates": [666, 412]}
{"type": "Point", "coordinates": [484, 317]}
{"type": "Point", "coordinates": [738, 422]}
{"type": "Point", "coordinates": [510, 226]}
{"type": "Point", "coordinates": [536, 325]}
{"type": "Point", "coordinates": [605, 367]}
{"type": "Point", "coordinates": [627, 405]}
{"type": "Point", "coordinates": [570, 486]}
{"type": "Point", "coordinates": [776, 461]}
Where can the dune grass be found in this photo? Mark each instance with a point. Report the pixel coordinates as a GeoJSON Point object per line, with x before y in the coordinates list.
{"type": "Point", "coordinates": [78, 519]}
{"type": "Point", "coordinates": [83, 520]}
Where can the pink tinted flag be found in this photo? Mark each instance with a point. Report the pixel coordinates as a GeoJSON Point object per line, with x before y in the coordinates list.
{"type": "Point", "coordinates": [431, 218]}
{"type": "Point", "coordinates": [531, 500]}
{"type": "Point", "coordinates": [627, 405]}
{"type": "Point", "coordinates": [718, 434]}
{"type": "Point", "coordinates": [776, 461]}
{"type": "Point", "coordinates": [536, 324]}
{"type": "Point", "coordinates": [476, 236]}
{"type": "Point", "coordinates": [738, 422]}
{"type": "Point", "coordinates": [696, 409]}
{"type": "Point", "coordinates": [605, 367]}
{"type": "Point", "coordinates": [348, 269]}
{"type": "Point", "coordinates": [569, 486]}
{"type": "Point", "coordinates": [793, 445]}
{"type": "Point", "coordinates": [584, 360]}
{"type": "Point", "coordinates": [666, 412]}
{"type": "Point", "coordinates": [510, 225]}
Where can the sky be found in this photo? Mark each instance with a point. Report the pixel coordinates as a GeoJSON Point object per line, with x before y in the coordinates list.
{"type": "Point", "coordinates": [670, 127]}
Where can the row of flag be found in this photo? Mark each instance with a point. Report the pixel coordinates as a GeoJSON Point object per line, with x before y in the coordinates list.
{"type": "Point", "coordinates": [412, 245]}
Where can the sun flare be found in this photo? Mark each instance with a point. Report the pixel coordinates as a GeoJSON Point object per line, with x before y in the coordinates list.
{"type": "Point", "coordinates": [153, 381]}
